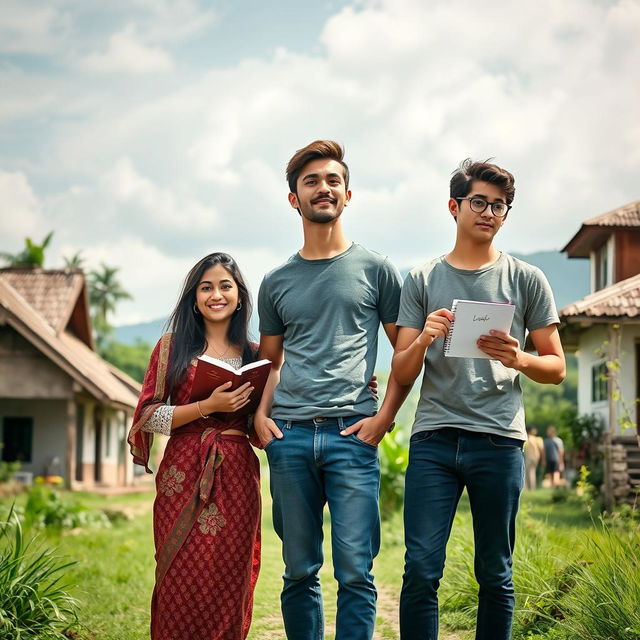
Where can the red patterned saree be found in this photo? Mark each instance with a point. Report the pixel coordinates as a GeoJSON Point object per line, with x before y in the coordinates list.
{"type": "Point", "coordinates": [206, 518]}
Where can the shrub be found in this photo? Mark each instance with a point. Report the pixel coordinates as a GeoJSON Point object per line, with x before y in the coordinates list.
{"type": "Point", "coordinates": [34, 603]}
{"type": "Point", "coordinates": [45, 508]}
{"type": "Point", "coordinates": [583, 435]}
{"type": "Point", "coordinates": [7, 469]}
{"type": "Point", "coordinates": [394, 458]}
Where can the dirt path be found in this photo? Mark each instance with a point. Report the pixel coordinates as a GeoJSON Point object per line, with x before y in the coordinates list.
{"type": "Point", "coordinates": [387, 626]}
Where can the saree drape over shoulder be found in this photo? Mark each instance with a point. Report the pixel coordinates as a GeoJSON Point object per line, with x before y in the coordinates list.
{"type": "Point", "coordinates": [206, 517]}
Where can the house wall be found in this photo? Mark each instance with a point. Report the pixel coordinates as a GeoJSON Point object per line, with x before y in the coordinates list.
{"type": "Point", "coordinates": [116, 462]}
{"type": "Point", "coordinates": [49, 432]}
{"type": "Point", "coordinates": [629, 370]}
{"type": "Point", "coordinates": [593, 340]}
{"type": "Point", "coordinates": [115, 459]}
{"type": "Point", "coordinates": [627, 254]}
{"type": "Point", "coordinates": [33, 386]}
{"type": "Point", "coordinates": [49, 440]}
{"type": "Point", "coordinates": [26, 373]}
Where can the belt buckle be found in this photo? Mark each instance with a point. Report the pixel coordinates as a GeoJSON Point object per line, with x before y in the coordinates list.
{"type": "Point", "coordinates": [320, 419]}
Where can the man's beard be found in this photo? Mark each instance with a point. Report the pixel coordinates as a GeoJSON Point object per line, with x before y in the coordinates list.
{"type": "Point", "coordinates": [322, 217]}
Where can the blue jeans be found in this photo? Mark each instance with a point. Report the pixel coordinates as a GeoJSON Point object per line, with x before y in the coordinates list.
{"type": "Point", "coordinates": [313, 465]}
{"type": "Point", "coordinates": [441, 464]}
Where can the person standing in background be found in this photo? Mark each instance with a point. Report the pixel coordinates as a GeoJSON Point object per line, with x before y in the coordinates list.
{"type": "Point", "coordinates": [533, 456]}
{"type": "Point", "coordinates": [554, 454]}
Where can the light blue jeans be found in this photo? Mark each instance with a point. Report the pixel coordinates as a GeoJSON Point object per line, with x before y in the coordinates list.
{"type": "Point", "coordinates": [313, 465]}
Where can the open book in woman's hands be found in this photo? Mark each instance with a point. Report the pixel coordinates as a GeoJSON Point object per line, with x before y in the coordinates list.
{"type": "Point", "coordinates": [211, 373]}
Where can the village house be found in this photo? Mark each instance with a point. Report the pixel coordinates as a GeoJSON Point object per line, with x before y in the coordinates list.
{"type": "Point", "coordinates": [603, 328]}
{"type": "Point", "coordinates": [64, 411]}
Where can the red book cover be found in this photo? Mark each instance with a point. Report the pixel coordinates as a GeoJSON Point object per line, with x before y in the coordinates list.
{"type": "Point", "coordinates": [211, 373]}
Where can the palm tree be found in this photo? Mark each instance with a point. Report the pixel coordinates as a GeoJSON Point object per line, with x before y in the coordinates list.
{"type": "Point", "coordinates": [31, 256]}
{"type": "Point", "coordinates": [104, 293]}
{"type": "Point", "coordinates": [76, 261]}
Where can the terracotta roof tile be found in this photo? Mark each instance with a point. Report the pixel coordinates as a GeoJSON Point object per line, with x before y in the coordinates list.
{"type": "Point", "coordinates": [625, 216]}
{"type": "Point", "coordinates": [621, 300]}
{"type": "Point", "coordinates": [52, 294]}
{"type": "Point", "coordinates": [72, 355]}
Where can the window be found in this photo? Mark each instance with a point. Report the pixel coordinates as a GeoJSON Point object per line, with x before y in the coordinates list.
{"type": "Point", "coordinates": [17, 437]}
{"type": "Point", "coordinates": [602, 267]}
{"type": "Point", "coordinates": [599, 382]}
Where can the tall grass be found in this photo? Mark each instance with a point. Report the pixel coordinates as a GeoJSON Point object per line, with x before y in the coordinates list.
{"type": "Point", "coordinates": [34, 603]}
{"type": "Point", "coordinates": [581, 586]}
{"type": "Point", "coordinates": [604, 601]}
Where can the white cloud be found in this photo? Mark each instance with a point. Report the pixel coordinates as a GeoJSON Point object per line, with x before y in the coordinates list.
{"type": "Point", "coordinates": [193, 162]}
{"type": "Point", "coordinates": [174, 20]}
{"type": "Point", "coordinates": [155, 279]}
{"type": "Point", "coordinates": [28, 29]}
{"type": "Point", "coordinates": [20, 210]}
{"type": "Point", "coordinates": [150, 275]}
{"type": "Point", "coordinates": [126, 53]}
{"type": "Point", "coordinates": [159, 205]}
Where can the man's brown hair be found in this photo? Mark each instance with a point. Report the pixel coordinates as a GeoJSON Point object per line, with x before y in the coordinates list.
{"type": "Point", "coordinates": [319, 149]}
{"type": "Point", "coordinates": [468, 171]}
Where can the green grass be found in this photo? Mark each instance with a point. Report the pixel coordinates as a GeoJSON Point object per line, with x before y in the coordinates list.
{"type": "Point", "coordinates": [114, 570]}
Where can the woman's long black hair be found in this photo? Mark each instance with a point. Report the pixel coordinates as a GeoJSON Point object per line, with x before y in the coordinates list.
{"type": "Point", "coordinates": [187, 326]}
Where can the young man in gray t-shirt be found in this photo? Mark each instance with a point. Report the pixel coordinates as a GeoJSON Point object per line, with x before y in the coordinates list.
{"type": "Point", "coordinates": [319, 318]}
{"type": "Point", "coordinates": [469, 428]}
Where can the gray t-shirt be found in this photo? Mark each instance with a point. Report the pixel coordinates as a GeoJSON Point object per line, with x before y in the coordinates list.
{"type": "Point", "coordinates": [329, 312]}
{"type": "Point", "coordinates": [474, 393]}
{"type": "Point", "coordinates": [552, 449]}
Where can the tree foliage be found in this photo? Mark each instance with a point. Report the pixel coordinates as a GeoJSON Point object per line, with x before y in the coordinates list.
{"type": "Point", "coordinates": [105, 291]}
{"type": "Point", "coordinates": [76, 261]}
{"type": "Point", "coordinates": [32, 255]}
{"type": "Point", "coordinates": [550, 404]}
{"type": "Point", "coordinates": [130, 358]}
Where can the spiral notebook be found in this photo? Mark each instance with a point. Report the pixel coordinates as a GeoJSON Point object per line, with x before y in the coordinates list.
{"type": "Point", "coordinates": [473, 319]}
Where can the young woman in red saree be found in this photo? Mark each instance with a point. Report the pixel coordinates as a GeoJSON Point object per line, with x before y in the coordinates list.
{"type": "Point", "coordinates": [206, 515]}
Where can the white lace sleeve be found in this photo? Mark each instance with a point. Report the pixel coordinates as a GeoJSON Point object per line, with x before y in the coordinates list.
{"type": "Point", "coordinates": [160, 420]}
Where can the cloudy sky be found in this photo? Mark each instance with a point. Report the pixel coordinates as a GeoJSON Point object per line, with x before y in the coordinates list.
{"type": "Point", "coordinates": [147, 133]}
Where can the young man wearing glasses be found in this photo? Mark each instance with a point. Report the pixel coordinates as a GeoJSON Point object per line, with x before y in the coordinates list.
{"type": "Point", "coordinates": [469, 428]}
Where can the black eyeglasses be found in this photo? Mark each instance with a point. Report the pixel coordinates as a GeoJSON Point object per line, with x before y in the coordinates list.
{"type": "Point", "coordinates": [478, 205]}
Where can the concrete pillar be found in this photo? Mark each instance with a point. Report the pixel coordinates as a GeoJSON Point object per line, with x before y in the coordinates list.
{"type": "Point", "coordinates": [70, 466]}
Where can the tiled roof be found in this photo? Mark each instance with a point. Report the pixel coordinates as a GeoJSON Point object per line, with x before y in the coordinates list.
{"type": "Point", "coordinates": [72, 355]}
{"type": "Point", "coordinates": [621, 300]}
{"type": "Point", "coordinates": [625, 216]}
{"type": "Point", "coordinates": [595, 231]}
{"type": "Point", "coordinates": [51, 293]}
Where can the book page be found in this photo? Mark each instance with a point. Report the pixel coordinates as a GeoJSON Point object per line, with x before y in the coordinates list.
{"type": "Point", "coordinates": [473, 319]}
{"type": "Point", "coordinates": [228, 367]}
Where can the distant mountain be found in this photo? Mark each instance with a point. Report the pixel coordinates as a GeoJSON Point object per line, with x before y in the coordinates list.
{"type": "Point", "coordinates": [569, 280]}
{"type": "Point", "coordinates": [146, 331]}
{"type": "Point", "coordinates": [151, 331]}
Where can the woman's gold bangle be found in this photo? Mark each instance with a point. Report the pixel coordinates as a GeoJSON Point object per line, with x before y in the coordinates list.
{"type": "Point", "coordinates": [199, 409]}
